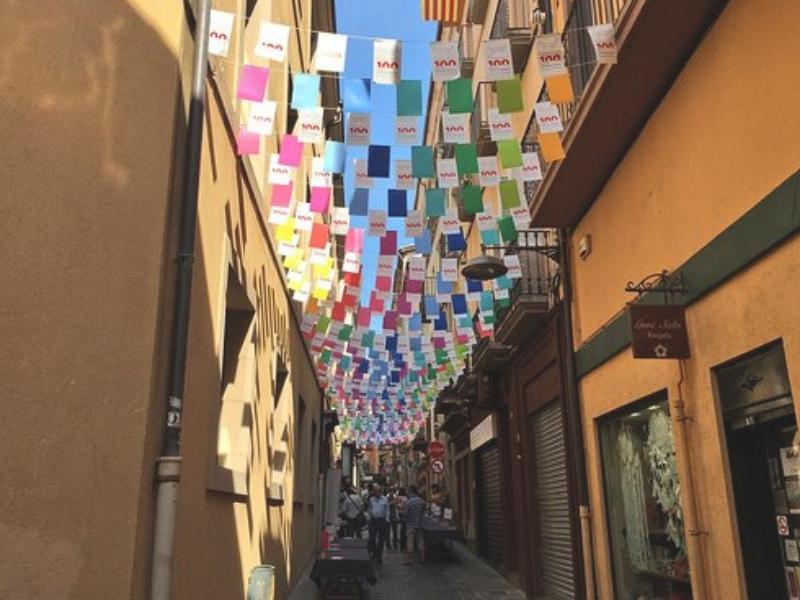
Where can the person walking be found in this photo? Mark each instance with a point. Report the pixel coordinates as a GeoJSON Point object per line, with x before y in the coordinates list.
{"type": "Point", "coordinates": [352, 511]}
{"type": "Point", "coordinates": [378, 510]}
{"type": "Point", "coordinates": [415, 512]}
{"type": "Point", "coordinates": [400, 504]}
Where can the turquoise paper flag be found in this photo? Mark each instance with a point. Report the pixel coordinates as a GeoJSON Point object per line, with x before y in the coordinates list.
{"type": "Point", "coordinates": [434, 202]}
{"type": "Point", "coordinates": [409, 98]}
{"type": "Point", "coordinates": [422, 162]}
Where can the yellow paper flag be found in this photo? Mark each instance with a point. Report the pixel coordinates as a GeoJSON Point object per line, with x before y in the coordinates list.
{"type": "Point", "coordinates": [285, 232]}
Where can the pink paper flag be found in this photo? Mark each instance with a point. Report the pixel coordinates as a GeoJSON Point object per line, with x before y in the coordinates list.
{"type": "Point", "coordinates": [320, 198]}
{"type": "Point", "coordinates": [252, 83]}
{"type": "Point", "coordinates": [375, 303]}
{"type": "Point", "coordinates": [281, 194]}
{"type": "Point", "coordinates": [291, 151]}
{"type": "Point", "coordinates": [364, 316]}
{"type": "Point", "coordinates": [439, 343]}
{"type": "Point", "coordinates": [389, 243]}
{"type": "Point", "coordinates": [247, 143]}
{"type": "Point", "coordinates": [354, 240]}
{"type": "Point", "coordinates": [383, 284]}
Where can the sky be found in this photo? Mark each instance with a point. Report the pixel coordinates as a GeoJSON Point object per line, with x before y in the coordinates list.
{"type": "Point", "coordinates": [390, 19]}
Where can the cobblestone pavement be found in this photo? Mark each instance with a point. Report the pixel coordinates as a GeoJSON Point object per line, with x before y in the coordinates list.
{"type": "Point", "coordinates": [465, 578]}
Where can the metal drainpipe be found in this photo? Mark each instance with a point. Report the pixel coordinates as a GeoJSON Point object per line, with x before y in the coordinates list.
{"type": "Point", "coordinates": [168, 467]}
{"type": "Point", "coordinates": [573, 408]}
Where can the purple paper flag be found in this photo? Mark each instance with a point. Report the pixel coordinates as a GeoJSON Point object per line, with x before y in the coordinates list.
{"type": "Point", "coordinates": [389, 243]}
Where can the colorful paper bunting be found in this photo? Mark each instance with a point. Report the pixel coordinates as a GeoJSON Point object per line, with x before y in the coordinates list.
{"type": "Point", "coordinates": [378, 161]}
{"type": "Point", "coordinates": [220, 29]}
{"type": "Point", "coordinates": [466, 159]}
{"type": "Point", "coordinates": [509, 153]}
{"type": "Point", "coordinates": [273, 40]}
{"type": "Point", "coordinates": [305, 90]}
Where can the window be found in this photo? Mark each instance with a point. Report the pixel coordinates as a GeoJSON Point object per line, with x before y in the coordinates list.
{"type": "Point", "coordinates": [299, 450]}
{"type": "Point", "coordinates": [645, 519]}
{"type": "Point", "coordinates": [237, 389]}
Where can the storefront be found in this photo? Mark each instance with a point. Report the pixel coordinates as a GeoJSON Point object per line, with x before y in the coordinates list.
{"type": "Point", "coordinates": [488, 486]}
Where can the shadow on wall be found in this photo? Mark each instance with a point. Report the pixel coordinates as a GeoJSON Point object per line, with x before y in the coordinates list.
{"type": "Point", "coordinates": [87, 128]}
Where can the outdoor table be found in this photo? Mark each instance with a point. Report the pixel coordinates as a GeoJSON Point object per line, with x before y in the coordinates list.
{"type": "Point", "coordinates": [349, 543]}
{"type": "Point", "coordinates": [340, 570]}
{"type": "Point", "coordinates": [436, 533]}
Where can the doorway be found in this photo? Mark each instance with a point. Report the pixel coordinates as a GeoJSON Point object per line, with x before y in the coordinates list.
{"type": "Point", "coordinates": [764, 459]}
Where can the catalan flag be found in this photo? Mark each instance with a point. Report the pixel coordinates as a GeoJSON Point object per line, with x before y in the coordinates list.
{"type": "Point", "coordinates": [447, 11]}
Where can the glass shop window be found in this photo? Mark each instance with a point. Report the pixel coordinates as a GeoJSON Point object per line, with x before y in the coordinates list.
{"type": "Point", "coordinates": [645, 520]}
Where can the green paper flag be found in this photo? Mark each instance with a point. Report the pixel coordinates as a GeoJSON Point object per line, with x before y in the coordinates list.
{"type": "Point", "coordinates": [344, 332]}
{"type": "Point", "coordinates": [434, 202]}
{"type": "Point", "coordinates": [459, 96]}
{"type": "Point", "coordinates": [322, 324]}
{"type": "Point", "coordinates": [473, 199]}
{"type": "Point", "coordinates": [422, 162]}
{"type": "Point", "coordinates": [509, 193]}
{"type": "Point", "coordinates": [325, 357]}
{"type": "Point", "coordinates": [409, 98]}
{"type": "Point", "coordinates": [466, 159]}
{"type": "Point", "coordinates": [509, 95]}
{"type": "Point", "coordinates": [507, 228]}
{"type": "Point", "coordinates": [504, 302]}
{"type": "Point", "coordinates": [509, 153]}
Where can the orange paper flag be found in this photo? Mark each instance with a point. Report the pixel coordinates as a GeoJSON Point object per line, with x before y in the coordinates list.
{"type": "Point", "coordinates": [551, 147]}
{"type": "Point", "coordinates": [559, 89]}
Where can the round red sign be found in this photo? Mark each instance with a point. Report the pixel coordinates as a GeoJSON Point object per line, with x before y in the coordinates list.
{"type": "Point", "coordinates": [436, 449]}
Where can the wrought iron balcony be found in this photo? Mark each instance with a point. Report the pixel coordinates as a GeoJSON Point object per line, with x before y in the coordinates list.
{"type": "Point", "coordinates": [535, 293]}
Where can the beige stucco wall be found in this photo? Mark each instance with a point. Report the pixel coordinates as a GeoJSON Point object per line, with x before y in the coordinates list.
{"type": "Point", "coordinates": [224, 534]}
{"type": "Point", "coordinates": [88, 117]}
{"type": "Point", "coordinates": [722, 139]}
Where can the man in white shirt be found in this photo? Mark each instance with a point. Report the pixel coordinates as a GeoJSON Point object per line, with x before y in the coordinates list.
{"type": "Point", "coordinates": [378, 510]}
{"type": "Point", "coordinates": [352, 509]}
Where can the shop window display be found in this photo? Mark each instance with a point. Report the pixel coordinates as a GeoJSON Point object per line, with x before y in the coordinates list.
{"type": "Point", "coordinates": [645, 521]}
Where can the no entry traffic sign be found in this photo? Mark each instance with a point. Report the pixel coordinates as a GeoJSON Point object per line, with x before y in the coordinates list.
{"type": "Point", "coordinates": [437, 466]}
{"type": "Point", "coordinates": [436, 449]}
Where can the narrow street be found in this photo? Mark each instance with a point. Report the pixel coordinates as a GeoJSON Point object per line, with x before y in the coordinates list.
{"type": "Point", "coordinates": [464, 577]}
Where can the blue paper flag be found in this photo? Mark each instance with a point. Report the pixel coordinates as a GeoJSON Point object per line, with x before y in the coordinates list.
{"type": "Point", "coordinates": [398, 203]}
{"type": "Point", "coordinates": [441, 322]}
{"type": "Point", "coordinates": [355, 94]}
{"type": "Point", "coordinates": [359, 203]}
{"type": "Point", "coordinates": [474, 285]}
{"type": "Point", "coordinates": [415, 322]}
{"type": "Point", "coordinates": [456, 242]}
{"type": "Point", "coordinates": [431, 306]}
{"type": "Point", "coordinates": [442, 286]}
{"type": "Point", "coordinates": [305, 90]}
{"type": "Point", "coordinates": [378, 161]}
{"type": "Point", "coordinates": [424, 244]}
{"type": "Point", "coordinates": [459, 304]}
{"type": "Point", "coordinates": [335, 156]}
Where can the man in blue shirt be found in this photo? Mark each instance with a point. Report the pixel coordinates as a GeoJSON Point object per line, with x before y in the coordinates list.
{"type": "Point", "coordinates": [378, 509]}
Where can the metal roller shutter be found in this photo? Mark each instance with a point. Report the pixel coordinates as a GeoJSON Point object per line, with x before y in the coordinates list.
{"type": "Point", "coordinates": [490, 525]}
{"type": "Point", "coordinates": [557, 580]}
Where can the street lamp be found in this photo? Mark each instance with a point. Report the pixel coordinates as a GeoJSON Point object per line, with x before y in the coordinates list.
{"type": "Point", "coordinates": [484, 268]}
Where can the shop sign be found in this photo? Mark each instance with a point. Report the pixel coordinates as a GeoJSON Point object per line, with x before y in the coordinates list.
{"type": "Point", "coordinates": [783, 525]}
{"type": "Point", "coordinates": [437, 466]}
{"type": "Point", "coordinates": [659, 331]}
{"type": "Point", "coordinates": [482, 433]}
{"type": "Point", "coordinates": [436, 449]}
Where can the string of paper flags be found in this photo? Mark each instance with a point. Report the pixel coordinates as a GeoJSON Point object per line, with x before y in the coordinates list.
{"type": "Point", "coordinates": [384, 361]}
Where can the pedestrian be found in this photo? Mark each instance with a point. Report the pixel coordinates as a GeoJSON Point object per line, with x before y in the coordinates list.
{"type": "Point", "coordinates": [352, 512]}
{"type": "Point", "coordinates": [400, 504]}
{"type": "Point", "coordinates": [378, 510]}
{"type": "Point", "coordinates": [415, 511]}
